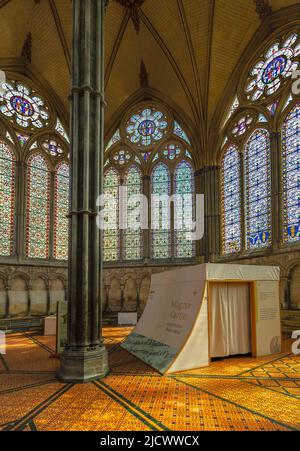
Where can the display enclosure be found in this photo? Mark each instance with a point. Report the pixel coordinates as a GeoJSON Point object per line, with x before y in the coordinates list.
{"type": "Point", "coordinates": [212, 310]}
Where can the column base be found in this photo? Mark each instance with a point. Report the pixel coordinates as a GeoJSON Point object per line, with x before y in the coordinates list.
{"type": "Point", "coordinates": [81, 366]}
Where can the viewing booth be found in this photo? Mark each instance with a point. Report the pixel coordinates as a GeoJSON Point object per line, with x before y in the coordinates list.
{"type": "Point", "coordinates": [197, 313]}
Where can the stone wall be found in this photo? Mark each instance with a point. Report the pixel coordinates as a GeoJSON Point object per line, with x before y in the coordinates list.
{"type": "Point", "coordinates": [34, 291]}
{"type": "Point", "coordinates": [28, 290]}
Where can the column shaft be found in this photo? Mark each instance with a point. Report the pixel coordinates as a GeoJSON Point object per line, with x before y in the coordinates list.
{"type": "Point", "coordinates": [209, 186]}
{"type": "Point", "coordinates": [85, 357]}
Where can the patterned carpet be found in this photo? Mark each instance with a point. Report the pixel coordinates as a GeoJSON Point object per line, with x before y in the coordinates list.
{"type": "Point", "coordinates": [232, 394]}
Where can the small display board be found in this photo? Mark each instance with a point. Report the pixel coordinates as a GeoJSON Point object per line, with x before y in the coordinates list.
{"type": "Point", "coordinates": [50, 326]}
{"type": "Point", "coordinates": [61, 326]}
{"type": "Point", "coordinates": [127, 319]}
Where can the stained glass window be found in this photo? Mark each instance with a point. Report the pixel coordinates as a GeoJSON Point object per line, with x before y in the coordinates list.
{"type": "Point", "coordinates": [234, 106]}
{"type": "Point", "coordinates": [160, 221]}
{"type": "Point", "coordinates": [184, 210]}
{"type": "Point", "coordinates": [53, 148]}
{"type": "Point", "coordinates": [257, 172]}
{"type": "Point", "coordinates": [291, 175]}
{"type": "Point", "coordinates": [278, 63]}
{"type": "Point", "coordinates": [146, 156]}
{"type": "Point", "coordinates": [288, 101]}
{"type": "Point", "coordinates": [38, 185]}
{"type": "Point", "coordinates": [146, 127]}
{"type": "Point", "coordinates": [8, 136]}
{"type": "Point", "coordinates": [22, 139]}
{"type": "Point", "coordinates": [60, 129]}
{"type": "Point", "coordinates": [242, 125]}
{"type": "Point", "coordinates": [121, 157]}
{"type": "Point", "coordinates": [115, 138]}
{"type": "Point", "coordinates": [171, 152]}
{"type": "Point", "coordinates": [273, 107]}
{"type": "Point", "coordinates": [22, 103]}
{"type": "Point", "coordinates": [61, 223]}
{"type": "Point", "coordinates": [132, 237]}
{"type": "Point", "coordinates": [111, 236]}
{"type": "Point", "coordinates": [178, 131]}
{"type": "Point", "coordinates": [7, 199]}
{"type": "Point", "coordinates": [231, 201]}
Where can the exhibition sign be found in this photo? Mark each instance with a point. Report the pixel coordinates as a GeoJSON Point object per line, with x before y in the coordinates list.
{"type": "Point", "coordinates": [173, 334]}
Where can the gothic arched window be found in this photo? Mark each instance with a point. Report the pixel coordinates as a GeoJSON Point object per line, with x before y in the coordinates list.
{"type": "Point", "coordinates": [151, 153]}
{"type": "Point", "coordinates": [257, 180]}
{"type": "Point", "coordinates": [132, 237]}
{"type": "Point", "coordinates": [38, 208]}
{"type": "Point", "coordinates": [7, 199]}
{"type": "Point", "coordinates": [291, 175]}
{"type": "Point", "coordinates": [111, 233]}
{"type": "Point", "coordinates": [184, 247]}
{"type": "Point", "coordinates": [61, 210]}
{"type": "Point", "coordinates": [263, 96]}
{"type": "Point", "coordinates": [160, 210]}
{"type": "Point", "coordinates": [231, 201]}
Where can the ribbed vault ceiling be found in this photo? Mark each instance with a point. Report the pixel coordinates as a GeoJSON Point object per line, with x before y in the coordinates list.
{"type": "Point", "coordinates": [190, 47]}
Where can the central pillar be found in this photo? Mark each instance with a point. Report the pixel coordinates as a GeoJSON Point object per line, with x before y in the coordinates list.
{"type": "Point", "coordinates": [208, 184]}
{"type": "Point", "coordinates": [85, 357]}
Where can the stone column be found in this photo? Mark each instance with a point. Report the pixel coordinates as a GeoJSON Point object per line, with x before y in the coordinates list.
{"type": "Point", "coordinates": [29, 290]}
{"type": "Point", "coordinates": [85, 357]}
{"type": "Point", "coordinates": [48, 287]}
{"type": "Point", "coordinates": [209, 186]}
{"type": "Point", "coordinates": [7, 290]}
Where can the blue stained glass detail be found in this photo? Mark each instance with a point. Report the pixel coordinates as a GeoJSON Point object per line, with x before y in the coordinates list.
{"type": "Point", "coordinates": [274, 69]}
{"type": "Point", "coordinates": [257, 172]}
{"type": "Point", "coordinates": [291, 175]}
{"type": "Point", "coordinates": [178, 131]}
{"type": "Point", "coordinates": [231, 201]}
{"type": "Point", "coordinates": [184, 210]}
{"type": "Point", "coordinates": [22, 106]}
{"type": "Point", "coordinates": [147, 128]}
